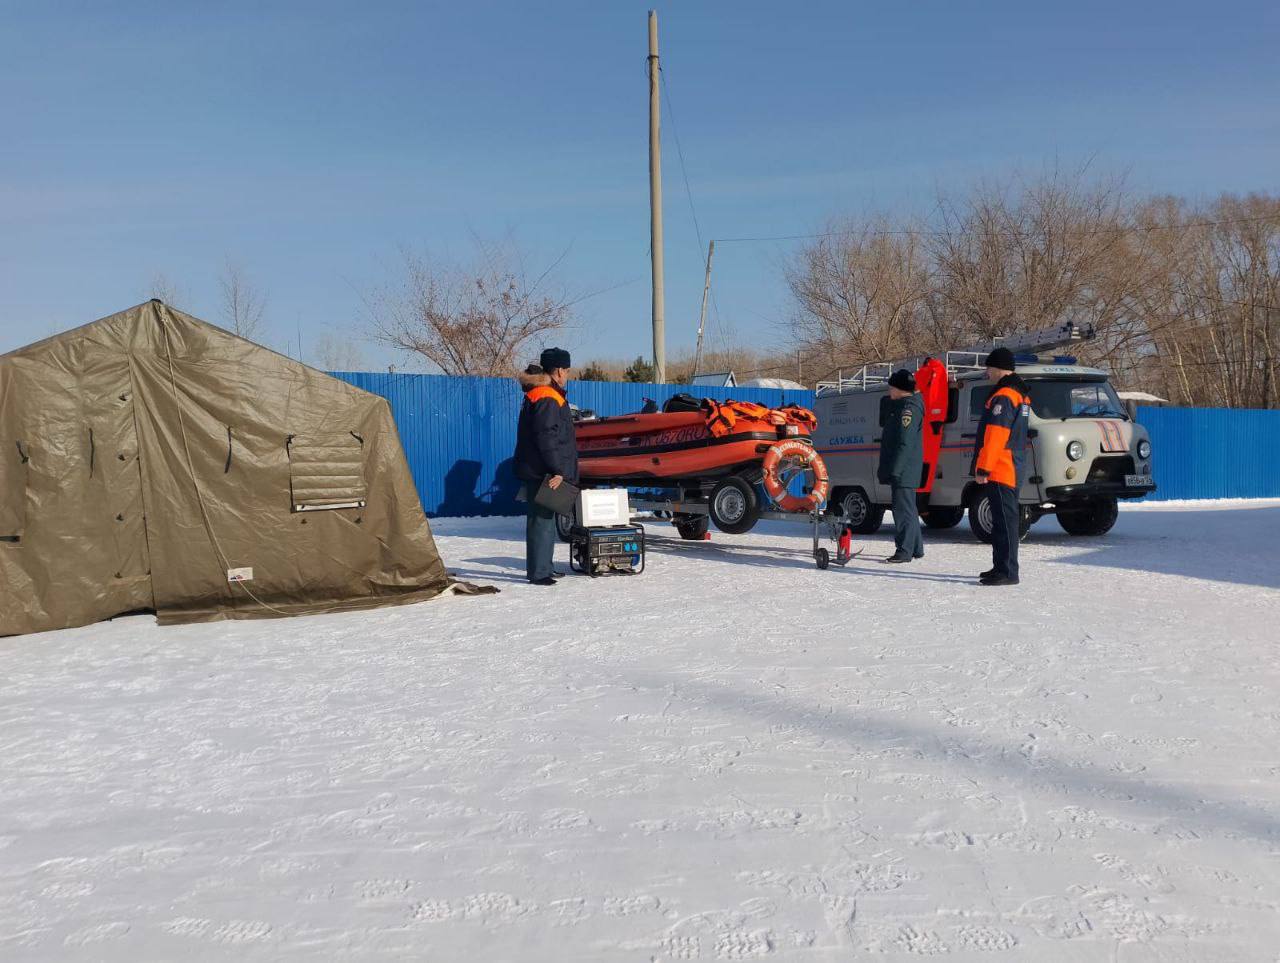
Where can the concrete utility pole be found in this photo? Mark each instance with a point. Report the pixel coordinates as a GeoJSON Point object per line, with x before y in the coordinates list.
{"type": "Point", "coordinates": [655, 207]}
{"type": "Point", "coordinates": [702, 318]}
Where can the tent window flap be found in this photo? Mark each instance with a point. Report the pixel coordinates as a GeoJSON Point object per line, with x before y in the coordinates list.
{"type": "Point", "coordinates": [13, 489]}
{"type": "Point", "coordinates": [326, 472]}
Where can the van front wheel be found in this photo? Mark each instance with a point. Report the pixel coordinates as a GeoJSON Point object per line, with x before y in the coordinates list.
{"type": "Point", "coordinates": [1095, 518]}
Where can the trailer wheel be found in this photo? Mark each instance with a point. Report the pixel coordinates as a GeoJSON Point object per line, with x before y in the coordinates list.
{"type": "Point", "coordinates": [940, 517]}
{"type": "Point", "coordinates": [733, 506]}
{"type": "Point", "coordinates": [822, 557]}
{"type": "Point", "coordinates": [982, 510]}
{"type": "Point", "coordinates": [1096, 518]}
{"type": "Point", "coordinates": [692, 528]}
{"type": "Point", "coordinates": [860, 515]}
{"type": "Point", "coordinates": [563, 524]}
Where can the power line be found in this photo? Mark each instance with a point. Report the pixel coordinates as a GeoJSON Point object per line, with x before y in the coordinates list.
{"type": "Point", "coordinates": [684, 173]}
{"type": "Point", "coordinates": [666, 93]}
{"type": "Point", "coordinates": [914, 232]}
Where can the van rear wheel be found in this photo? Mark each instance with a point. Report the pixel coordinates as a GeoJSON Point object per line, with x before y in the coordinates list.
{"type": "Point", "coordinates": [982, 514]}
{"type": "Point", "coordinates": [859, 514]}
{"type": "Point", "coordinates": [1095, 518]}
{"type": "Point", "coordinates": [943, 517]}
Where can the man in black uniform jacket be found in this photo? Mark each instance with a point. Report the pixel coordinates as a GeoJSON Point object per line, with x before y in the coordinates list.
{"type": "Point", "coordinates": [902, 463]}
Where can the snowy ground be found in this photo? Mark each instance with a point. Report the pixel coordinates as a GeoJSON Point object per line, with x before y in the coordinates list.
{"type": "Point", "coordinates": [732, 756]}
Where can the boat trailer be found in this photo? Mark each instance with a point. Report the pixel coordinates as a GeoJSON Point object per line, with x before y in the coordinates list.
{"type": "Point", "coordinates": [824, 525]}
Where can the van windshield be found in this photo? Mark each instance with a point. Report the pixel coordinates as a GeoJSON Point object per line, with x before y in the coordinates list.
{"type": "Point", "coordinates": [1075, 399]}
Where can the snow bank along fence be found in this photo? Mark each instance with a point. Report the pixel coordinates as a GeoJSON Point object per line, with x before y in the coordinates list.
{"type": "Point", "coordinates": [459, 434]}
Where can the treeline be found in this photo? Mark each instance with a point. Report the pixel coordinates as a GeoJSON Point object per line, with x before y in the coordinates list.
{"type": "Point", "coordinates": [1185, 296]}
{"type": "Point", "coordinates": [743, 362]}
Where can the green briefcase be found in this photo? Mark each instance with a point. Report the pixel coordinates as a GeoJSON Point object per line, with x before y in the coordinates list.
{"type": "Point", "coordinates": [562, 500]}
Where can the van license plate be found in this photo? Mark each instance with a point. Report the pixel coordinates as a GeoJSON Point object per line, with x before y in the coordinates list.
{"type": "Point", "coordinates": [1138, 481]}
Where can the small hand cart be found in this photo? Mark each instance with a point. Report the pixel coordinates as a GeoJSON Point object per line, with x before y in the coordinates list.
{"type": "Point", "coordinates": [838, 530]}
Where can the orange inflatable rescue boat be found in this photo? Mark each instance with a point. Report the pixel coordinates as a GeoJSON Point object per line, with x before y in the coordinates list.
{"type": "Point", "coordinates": [708, 449]}
{"type": "Point", "coordinates": [689, 445]}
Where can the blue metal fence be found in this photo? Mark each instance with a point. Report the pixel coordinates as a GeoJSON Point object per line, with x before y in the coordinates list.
{"type": "Point", "coordinates": [1214, 452]}
{"type": "Point", "coordinates": [459, 434]}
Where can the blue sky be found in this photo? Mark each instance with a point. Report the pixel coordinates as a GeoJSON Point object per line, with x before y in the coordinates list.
{"type": "Point", "coordinates": [311, 141]}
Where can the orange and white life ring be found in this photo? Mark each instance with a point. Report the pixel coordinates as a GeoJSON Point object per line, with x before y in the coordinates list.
{"type": "Point", "coordinates": [800, 454]}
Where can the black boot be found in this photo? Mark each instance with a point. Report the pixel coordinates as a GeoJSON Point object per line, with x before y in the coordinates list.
{"type": "Point", "coordinates": [999, 580]}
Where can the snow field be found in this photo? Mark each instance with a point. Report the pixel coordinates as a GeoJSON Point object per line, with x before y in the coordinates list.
{"type": "Point", "coordinates": [731, 756]}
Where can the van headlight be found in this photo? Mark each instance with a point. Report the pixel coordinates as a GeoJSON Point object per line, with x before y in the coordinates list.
{"type": "Point", "coordinates": [1144, 449]}
{"type": "Point", "coordinates": [1075, 450]}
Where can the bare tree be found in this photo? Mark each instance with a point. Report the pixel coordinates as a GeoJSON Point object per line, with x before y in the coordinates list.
{"type": "Point", "coordinates": [164, 288]}
{"type": "Point", "coordinates": [1185, 299]}
{"type": "Point", "coordinates": [861, 293]}
{"type": "Point", "coordinates": [1052, 251]}
{"type": "Point", "coordinates": [243, 304]}
{"type": "Point", "coordinates": [473, 319]}
{"type": "Point", "coordinates": [339, 353]}
{"type": "Point", "coordinates": [1212, 312]}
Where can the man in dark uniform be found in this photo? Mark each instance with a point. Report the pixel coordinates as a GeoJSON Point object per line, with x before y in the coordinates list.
{"type": "Point", "coordinates": [546, 450]}
{"type": "Point", "coordinates": [902, 463]}
{"type": "Point", "coordinates": [999, 457]}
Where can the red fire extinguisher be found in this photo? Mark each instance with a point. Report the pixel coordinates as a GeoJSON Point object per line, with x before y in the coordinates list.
{"type": "Point", "coordinates": [844, 547]}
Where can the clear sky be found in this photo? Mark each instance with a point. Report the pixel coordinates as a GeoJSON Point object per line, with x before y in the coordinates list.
{"type": "Point", "coordinates": [310, 141]}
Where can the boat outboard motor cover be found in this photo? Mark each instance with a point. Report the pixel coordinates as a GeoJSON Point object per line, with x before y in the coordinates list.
{"type": "Point", "coordinates": [682, 402]}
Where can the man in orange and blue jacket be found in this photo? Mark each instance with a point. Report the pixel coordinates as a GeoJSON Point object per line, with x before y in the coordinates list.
{"type": "Point", "coordinates": [999, 455]}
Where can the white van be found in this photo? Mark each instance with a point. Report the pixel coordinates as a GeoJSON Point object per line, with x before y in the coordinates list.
{"type": "Point", "coordinates": [1084, 450]}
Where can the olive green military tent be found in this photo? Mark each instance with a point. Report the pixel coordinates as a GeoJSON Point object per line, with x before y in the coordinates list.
{"type": "Point", "coordinates": [151, 461]}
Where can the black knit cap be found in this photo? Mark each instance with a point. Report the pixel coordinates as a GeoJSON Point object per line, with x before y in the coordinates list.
{"type": "Point", "coordinates": [1001, 358]}
{"type": "Point", "coordinates": [903, 380]}
{"type": "Point", "coordinates": [553, 358]}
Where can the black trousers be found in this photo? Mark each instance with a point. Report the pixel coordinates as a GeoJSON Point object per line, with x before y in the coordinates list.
{"type": "Point", "coordinates": [1005, 522]}
{"type": "Point", "coordinates": [906, 522]}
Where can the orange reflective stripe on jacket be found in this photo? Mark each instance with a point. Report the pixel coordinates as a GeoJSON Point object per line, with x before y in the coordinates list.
{"type": "Point", "coordinates": [535, 395]}
{"type": "Point", "coordinates": [995, 458]}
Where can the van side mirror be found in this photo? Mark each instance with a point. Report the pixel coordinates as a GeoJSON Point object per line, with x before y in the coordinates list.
{"type": "Point", "coordinates": [953, 405]}
{"type": "Point", "coordinates": [885, 402]}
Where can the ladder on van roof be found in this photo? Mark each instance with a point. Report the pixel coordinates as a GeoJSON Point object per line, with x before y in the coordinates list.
{"type": "Point", "coordinates": [961, 360]}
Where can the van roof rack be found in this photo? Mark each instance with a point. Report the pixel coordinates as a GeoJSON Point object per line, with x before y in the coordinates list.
{"type": "Point", "coordinates": [961, 360]}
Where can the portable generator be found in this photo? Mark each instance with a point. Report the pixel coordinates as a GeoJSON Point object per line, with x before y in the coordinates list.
{"type": "Point", "coordinates": [607, 550]}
